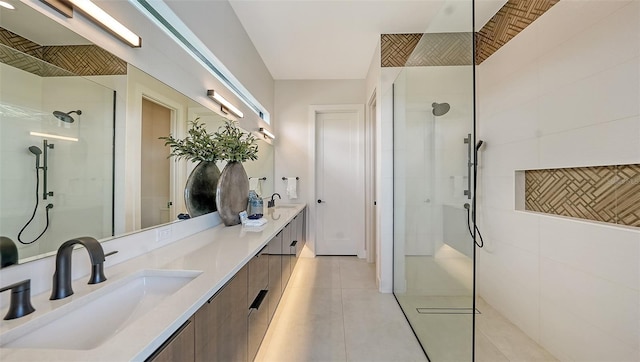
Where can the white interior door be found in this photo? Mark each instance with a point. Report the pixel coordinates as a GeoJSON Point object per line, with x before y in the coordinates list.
{"type": "Point", "coordinates": [340, 183]}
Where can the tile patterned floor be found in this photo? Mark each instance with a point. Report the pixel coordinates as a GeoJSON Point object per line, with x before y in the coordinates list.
{"type": "Point", "coordinates": [332, 311]}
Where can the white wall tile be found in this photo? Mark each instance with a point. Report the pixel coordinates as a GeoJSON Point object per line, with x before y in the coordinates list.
{"type": "Point", "coordinates": [570, 338]}
{"type": "Point", "coordinates": [502, 160]}
{"type": "Point", "coordinates": [610, 307]}
{"type": "Point", "coordinates": [518, 229]}
{"type": "Point", "coordinates": [571, 18]}
{"type": "Point", "coordinates": [515, 123]}
{"type": "Point", "coordinates": [610, 143]}
{"type": "Point", "coordinates": [592, 50]}
{"type": "Point", "coordinates": [609, 252]}
{"type": "Point", "coordinates": [602, 97]}
{"type": "Point", "coordinates": [577, 83]}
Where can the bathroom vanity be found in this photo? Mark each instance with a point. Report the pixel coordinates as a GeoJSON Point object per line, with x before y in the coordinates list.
{"type": "Point", "coordinates": [209, 296]}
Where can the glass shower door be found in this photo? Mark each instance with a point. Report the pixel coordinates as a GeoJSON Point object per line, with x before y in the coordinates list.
{"type": "Point", "coordinates": [433, 118]}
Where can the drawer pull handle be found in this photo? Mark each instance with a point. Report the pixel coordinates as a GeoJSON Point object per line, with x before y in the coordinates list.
{"type": "Point", "coordinates": [259, 299]}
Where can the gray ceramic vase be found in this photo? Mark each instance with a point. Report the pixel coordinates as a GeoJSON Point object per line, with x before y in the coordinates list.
{"type": "Point", "coordinates": [200, 191]}
{"type": "Point", "coordinates": [232, 194]}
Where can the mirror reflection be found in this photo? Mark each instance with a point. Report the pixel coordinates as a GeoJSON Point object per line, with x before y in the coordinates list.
{"type": "Point", "coordinates": [88, 133]}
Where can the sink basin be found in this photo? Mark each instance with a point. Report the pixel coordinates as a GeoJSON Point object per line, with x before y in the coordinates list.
{"type": "Point", "coordinates": [88, 322]}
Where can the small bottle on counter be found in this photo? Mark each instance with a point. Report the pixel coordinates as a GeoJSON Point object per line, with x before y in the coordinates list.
{"type": "Point", "coordinates": [256, 205]}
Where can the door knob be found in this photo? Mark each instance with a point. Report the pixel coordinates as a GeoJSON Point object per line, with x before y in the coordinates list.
{"type": "Point", "coordinates": [320, 201]}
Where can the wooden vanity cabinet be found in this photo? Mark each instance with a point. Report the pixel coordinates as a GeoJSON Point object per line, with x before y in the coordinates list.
{"type": "Point", "coordinates": [286, 255]}
{"type": "Point", "coordinates": [221, 324]}
{"type": "Point", "coordinates": [274, 249]}
{"type": "Point", "coordinates": [258, 306]}
{"type": "Point", "coordinates": [231, 325]}
{"type": "Point", "coordinates": [179, 347]}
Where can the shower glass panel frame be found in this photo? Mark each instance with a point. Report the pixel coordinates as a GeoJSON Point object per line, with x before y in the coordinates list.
{"type": "Point", "coordinates": [433, 167]}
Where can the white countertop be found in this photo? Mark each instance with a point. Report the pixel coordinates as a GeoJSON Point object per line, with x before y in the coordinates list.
{"type": "Point", "coordinates": [219, 252]}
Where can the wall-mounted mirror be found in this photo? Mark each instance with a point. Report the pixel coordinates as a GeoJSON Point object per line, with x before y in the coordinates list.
{"type": "Point", "coordinates": [89, 123]}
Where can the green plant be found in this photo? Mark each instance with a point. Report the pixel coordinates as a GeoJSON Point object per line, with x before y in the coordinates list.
{"type": "Point", "coordinates": [199, 145]}
{"type": "Point", "coordinates": [235, 145]}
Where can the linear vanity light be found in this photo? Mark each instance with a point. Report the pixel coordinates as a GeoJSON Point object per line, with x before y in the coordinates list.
{"type": "Point", "coordinates": [107, 22]}
{"type": "Point", "coordinates": [54, 136]}
{"type": "Point", "coordinates": [225, 104]}
{"type": "Point", "coordinates": [98, 16]}
{"type": "Point", "coordinates": [7, 5]}
{"type": "Point", "coordinates": [266, 133]}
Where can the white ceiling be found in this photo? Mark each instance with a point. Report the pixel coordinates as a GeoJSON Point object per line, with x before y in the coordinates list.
{"type": "Point", "coordinates": [307, 39]}
{"type": "Point", "coordinates": [329, 39]}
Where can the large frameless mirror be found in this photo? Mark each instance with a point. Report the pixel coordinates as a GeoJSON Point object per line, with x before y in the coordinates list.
{"type": "Point", "coordinates": [90, 135]}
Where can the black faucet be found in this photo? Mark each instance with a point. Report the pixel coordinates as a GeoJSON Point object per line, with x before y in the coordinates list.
{"type": "Point", "coordinates": [272, 202]}
{"type": "Point", "coordinates": [62, 276]}
{"type": "Point", "coordinates": [20, 304]}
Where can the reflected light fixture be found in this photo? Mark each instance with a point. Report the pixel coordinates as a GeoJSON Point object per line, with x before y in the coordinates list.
{"type": "Point", "coordinates": [7, 5]}
{"type": "Point", "coordinates": [224, 104]}
{"type": "Point", "coordinates": [266, 133]}
{"type": "Point", "coordinates": [48, 135]}
{"type": "Point", "coordinates": [98, 16]}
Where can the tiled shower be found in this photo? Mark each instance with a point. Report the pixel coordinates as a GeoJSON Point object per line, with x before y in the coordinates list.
{"type": "Point", "coordinates": [557, 103]}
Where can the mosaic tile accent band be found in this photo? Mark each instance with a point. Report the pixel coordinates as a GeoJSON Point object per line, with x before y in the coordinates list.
{"type": "Point", "coordinates": [429, 49]}
{"type": "Point", "coordinates": [603, 193]}
{"type": "Point", "coordinates": [71, 60]}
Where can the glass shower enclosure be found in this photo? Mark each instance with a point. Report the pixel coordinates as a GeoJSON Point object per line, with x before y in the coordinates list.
{"type": "Point", "coordinates": [434, 145]}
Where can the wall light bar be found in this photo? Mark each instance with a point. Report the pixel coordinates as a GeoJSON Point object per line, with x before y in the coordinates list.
{"type": "Point", "coordinates": [266, 133]}
{"type": "Point", "coordinates": [108, 22]}
{"type": "Point", "coordinates": [6, 5]}
{"type": "Point", "coordinates": [224, 103]}
{"type": "Point", "coordinates": [47, 135]}
{"type": "Point", "coordinates": [98, 16]}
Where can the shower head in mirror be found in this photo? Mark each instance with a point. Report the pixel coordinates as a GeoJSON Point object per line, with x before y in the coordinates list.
{"type": "Point", "coordinates": [66, 116]}
{"type": "Point", "coordinates": [440, 109]}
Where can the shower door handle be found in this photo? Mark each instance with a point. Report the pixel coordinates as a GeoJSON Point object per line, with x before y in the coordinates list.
{"type": "Point", "coordinates": [467, 141]}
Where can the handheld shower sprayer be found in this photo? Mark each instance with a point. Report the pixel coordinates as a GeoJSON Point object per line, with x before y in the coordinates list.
{"type": "Point", "coordinates": [37, 152]}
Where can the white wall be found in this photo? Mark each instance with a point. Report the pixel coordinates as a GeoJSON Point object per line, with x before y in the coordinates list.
{"type": "Point", "coordinates": [293, 145]}
{"type": "Point", "coordinates": [564, 92]}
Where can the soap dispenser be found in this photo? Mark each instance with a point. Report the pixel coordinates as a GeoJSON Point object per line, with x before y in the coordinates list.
{"type": "Point", "coordinates": [256, 205]}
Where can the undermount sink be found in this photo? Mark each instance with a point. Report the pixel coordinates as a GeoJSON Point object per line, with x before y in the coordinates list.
{"type": "Point", "coordinates": [285, 206]}
{"type": "Point", "coordinates": [88, 322]}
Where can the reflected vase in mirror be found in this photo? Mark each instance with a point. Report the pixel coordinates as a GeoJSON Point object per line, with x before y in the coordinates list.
{"type": "Point", "coordinates": [200, 190]}
{"type": "Point", "coordinates": [232, 193]}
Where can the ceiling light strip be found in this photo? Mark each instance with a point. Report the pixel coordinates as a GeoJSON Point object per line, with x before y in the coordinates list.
{"type": "Point", "coordinates": [164, 17]}
{"type": "Point", "coordinates": [109, 23]}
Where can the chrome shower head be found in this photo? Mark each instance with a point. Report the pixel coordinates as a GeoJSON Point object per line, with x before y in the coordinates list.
{"type": "Point", "coordinates": [66, 117]}
{"type": "Point", "coordinates": [440, 109]}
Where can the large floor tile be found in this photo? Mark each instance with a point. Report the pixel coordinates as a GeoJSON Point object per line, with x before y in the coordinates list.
{"type": "Point", "coordinates": [357, 273]}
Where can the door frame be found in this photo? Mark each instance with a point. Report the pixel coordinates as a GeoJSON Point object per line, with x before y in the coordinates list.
{"type": "Point", "coordinates": [314, 110]}
{"type": "Point", "coordinates": [134, 130]}
{"type": "Point", "coordinates": [370, 180]}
